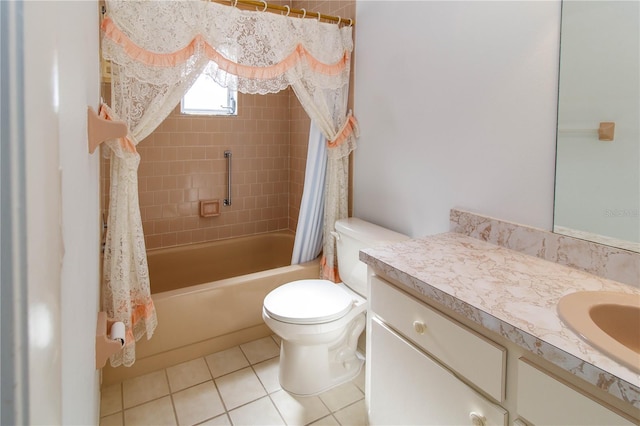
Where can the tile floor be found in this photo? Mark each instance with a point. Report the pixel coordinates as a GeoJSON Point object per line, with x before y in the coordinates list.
{"type": "Point", "coordinates": [238, 386]}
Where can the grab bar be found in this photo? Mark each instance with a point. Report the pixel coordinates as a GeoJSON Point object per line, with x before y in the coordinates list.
{"type": "Point", "coordinates": [227, 155]}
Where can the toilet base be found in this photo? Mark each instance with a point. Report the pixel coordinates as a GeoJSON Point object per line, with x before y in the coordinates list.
{"type": "Point", "coordinates": [307, 370]}
{"type": "Point", "coordinates": [295, 381]}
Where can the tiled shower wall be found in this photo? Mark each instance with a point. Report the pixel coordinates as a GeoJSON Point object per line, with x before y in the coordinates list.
{"type": "Point", "coordinates": [182, 162]}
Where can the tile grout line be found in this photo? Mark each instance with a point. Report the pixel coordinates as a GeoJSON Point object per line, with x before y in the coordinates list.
{"type": "Point", "coordinates": [173, 405]}
{"type": "Point", "coordinates": [122, 401]}
{"type": "Point", "coordinates": [215, 384]}
{"type": "Point", "coordinates": [268, 394]}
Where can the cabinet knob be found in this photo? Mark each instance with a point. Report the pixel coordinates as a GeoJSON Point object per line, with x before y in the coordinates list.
{"type": "Point", "coordinates": [477, 419]}
{"type": "Point", "coordinates": [419, 327]}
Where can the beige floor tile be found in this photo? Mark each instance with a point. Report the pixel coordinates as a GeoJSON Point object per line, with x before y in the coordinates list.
{"type": "Point", "coordinates": [298, 410]}
{"type": "Point", "coordinates": [242, 388]}
{"type": "Point", "coordinates": [258, 413]}
{"type": "Point", "coordinates": [188, 374]}
{"type": "Point", "coordinates": [341, 396]}
{"type": "Point", "coordinates": [359, 381]}
{"type": "Point", "coordinates": [144, 388]}
{"type": "Point", "coordinates": [326, 421]}
{"type": "Point", "coordinates": [267, 372]}
{"type": "Point", "coordinates": [111, 399]}
{"type": "Point", "coordinates": [353, 415]}
{"type": "Point", "coordinates": [239, 388]}
{"type": "Point", "coordinates": [276, 339]}
{"type": "Point", "coordinates": [157, 413]}
{"type": "Point", "coordinates": [224, 362]}
{"type": "Point", "coordinates": [222, 420]}
{"type": "Point", "coordinates": [112, 420]}
{"type": "Point", "coordinates": [260, 350]}
{"type": "Point", "coordinates": [197, 404]}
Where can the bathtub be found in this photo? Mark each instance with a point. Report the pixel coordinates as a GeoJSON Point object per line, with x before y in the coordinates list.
{"type": "Point", "coordinates": [208, 298]}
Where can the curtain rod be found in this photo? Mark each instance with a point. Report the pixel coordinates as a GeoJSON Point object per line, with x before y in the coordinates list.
{"type": "Point", "coordinates": [264, 6]}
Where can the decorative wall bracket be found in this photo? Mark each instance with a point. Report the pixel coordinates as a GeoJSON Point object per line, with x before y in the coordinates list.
{"type": "Point", "coordinates": [100, 129]}
{"type": "Point", "coordinates": [606, 131]}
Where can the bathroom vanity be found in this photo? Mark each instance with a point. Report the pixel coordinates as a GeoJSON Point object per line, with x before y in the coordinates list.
{"type": "Point", "coordinates": [462, 331]}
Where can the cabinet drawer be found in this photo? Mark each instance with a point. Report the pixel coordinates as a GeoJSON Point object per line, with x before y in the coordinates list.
{"type": "Point", "coordinates": [474, 357]}
{"type": "Point", "coordinates": [543, 400]}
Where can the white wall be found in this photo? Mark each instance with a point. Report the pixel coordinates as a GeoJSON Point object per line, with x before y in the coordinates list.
{"type": "Point", "coordinates": [457, 108]}
{"type": "Point", "coordinates": [63, 222]}
{"type": "Point", "coordinates": [598, 183]}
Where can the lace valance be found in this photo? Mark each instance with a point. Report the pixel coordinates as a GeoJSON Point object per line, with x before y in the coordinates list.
{"type": "Point", "coordinates": [164, 42]}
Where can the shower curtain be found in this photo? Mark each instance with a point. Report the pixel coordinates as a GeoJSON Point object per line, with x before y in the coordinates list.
{"type": "Point", "coordinates": [158, 48]}
{"type": "Point", "coordinates": [308, 241]}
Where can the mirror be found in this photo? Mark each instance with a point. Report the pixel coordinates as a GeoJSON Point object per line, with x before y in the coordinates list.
{"type": "Point", "coordinates": [597, 194]}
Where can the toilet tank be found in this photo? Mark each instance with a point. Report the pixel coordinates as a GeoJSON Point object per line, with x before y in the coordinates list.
{"type": "Point", "coordinates": [353, 235]}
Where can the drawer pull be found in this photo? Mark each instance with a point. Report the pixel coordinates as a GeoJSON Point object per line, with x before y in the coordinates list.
{"type": "Point", "coordinates": [419, 327]}
{"type": "Point", "coordinates": [477, 419]}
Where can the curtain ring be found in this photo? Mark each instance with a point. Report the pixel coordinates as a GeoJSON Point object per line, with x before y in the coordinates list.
{"type": "Point", "coordinates": [350, 22]}
{"type": "Point", "coordinates": [265, 5]}
{"type": "Point", "coordinates": [288, 10]}
{"type": "Point", "coordinates": [318, 16]}
{"type": "Point", "coordinates": [339, 20]}
{"type": "Point", "coordinates": [234, 3]}
{"type": "Point", "coordinates": [304, 13]}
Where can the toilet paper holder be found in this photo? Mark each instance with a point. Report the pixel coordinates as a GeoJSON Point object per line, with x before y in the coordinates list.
{"type": "Point", "coordinates": [105, 345]}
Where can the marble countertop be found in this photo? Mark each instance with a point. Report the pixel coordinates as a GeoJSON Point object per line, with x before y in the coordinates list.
{"type": "Point", "coordinates": [510, 293]}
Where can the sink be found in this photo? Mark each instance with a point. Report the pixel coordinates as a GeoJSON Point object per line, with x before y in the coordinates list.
{"type": "Point", "coordinates": [609, 321]}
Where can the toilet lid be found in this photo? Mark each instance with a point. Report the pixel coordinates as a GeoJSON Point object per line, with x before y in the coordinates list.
{"type": "Point", "coordinates": [308, 302]}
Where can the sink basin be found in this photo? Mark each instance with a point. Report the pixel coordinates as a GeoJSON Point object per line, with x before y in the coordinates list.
{"type": "Point", "coordinates": [609, 321]}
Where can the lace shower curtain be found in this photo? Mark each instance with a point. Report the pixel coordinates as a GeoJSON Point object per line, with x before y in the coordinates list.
{"type": "Point", "coordinates": [158, 48]}
{"type": "Point", "coordinates": [126, 290]}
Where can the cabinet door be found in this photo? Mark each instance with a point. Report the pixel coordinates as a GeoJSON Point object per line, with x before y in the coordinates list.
{"type": "Point", "coordinates": [410, 388]}
{"type": "Point", "coordinates": [543, 400]}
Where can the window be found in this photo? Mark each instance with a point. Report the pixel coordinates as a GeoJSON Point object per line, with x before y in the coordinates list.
{"type": "Point", "coordinates": [206, 97]}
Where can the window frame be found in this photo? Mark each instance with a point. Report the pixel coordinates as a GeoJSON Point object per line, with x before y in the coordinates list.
{"type": "Point", "coordinates": [229, 109]}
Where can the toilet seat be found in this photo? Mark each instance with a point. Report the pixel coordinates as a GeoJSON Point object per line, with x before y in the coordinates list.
{"type": "Point", "coordinates": [292, 303]}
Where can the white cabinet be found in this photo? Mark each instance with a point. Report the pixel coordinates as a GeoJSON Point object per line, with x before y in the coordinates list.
{"type": "Point", "coordinates": [477, 359]}
{"type": "Point", "coordinates": [425, 368]}
{"type": "Point", "coordinates": [543, 400]}
{"type": "Point", "coordinates": [410, 388]}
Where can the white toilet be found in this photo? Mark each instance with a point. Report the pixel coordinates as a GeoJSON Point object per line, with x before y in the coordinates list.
{"type": "Point", "coordinates": [319, 321]}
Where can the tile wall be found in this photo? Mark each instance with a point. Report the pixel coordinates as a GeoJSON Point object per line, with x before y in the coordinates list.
{"type": "Point", "coordinates": [182, 162]}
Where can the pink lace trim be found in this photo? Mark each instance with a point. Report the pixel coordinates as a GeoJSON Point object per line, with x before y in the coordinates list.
{"type": "Point", "coordinates": [139, 313]}
{"type": "Point", "coordinates": [328, 272]}
{"type": "Point", "coordinates": [111, 31]}
{"type": "Point", "coordinates": [350, 126]}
